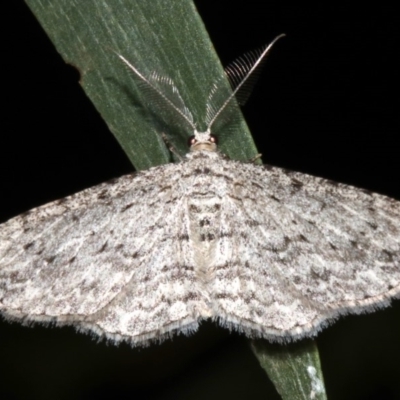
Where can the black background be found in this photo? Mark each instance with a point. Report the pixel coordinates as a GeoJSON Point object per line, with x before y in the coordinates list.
{"type": "Point", "coordinates": [326, 104]}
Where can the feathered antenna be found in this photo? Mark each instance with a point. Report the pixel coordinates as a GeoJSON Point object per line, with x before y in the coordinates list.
{"type": "Point", "coordinates": [239, 73]}
{"type": "Point", "coordinates": [184, 111]}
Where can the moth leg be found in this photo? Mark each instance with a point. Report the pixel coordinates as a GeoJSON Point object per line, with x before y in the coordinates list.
{"type": "Point", "coordinates": [171, 147]}
{"type": "Point", "coordinates": [255, 158]}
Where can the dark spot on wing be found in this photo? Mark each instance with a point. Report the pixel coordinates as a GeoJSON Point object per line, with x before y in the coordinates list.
{"type": "Point", "coordinates": [272, 197]}
{"type": "Point", "coordinates": [103, 194]}
{"type": "Point", "coordinates": [332, 246]}
{"type": "Point", "coordinates": [296, 184]}
{"type": "Point", "coordinates": [61, 201]}
{"type": "Point", "coordinates": [373, 225]}
{"type": "Point", "coordinates": [177, 267]}
{"type": "Point", "coordinates": [296, 280]}
{"type": "Point", "coordinates": [225, 234]}
{"type": "Point", "coordinates": [190, 296]}
{"type": "Point", "coordinates": [194, 209]}
{"type": "Point", "coordinates": [207, 237]}
{"type": "Point", "coordinates": [28, 245]}
{"type": "Point", "coordinates": [102, 248]}
{"type": "Point", "coordinates": [303, 238]}
{"type": "Point", "coordinates": [127, 207]}
{"type": "Point", "coordinates": [324, 275]}
{"type": "Point", "coordinates": [244, 235]}
{"type": "Point", "coordinates": [257, 185]}
{"type": "Point", "coordinates": [252, 223]}
{"type": "Point", "coordinates": [184, 237]}
{"type": "Point", "coordinates": [286, 240]}
{"type": "Point", "coordinates": [204, 222]}
{"type": "Point", "coordinates": [388, 255]}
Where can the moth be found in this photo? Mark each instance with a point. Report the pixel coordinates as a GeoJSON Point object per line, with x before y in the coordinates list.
{"type": "Point", "coordinates": [269, 252]}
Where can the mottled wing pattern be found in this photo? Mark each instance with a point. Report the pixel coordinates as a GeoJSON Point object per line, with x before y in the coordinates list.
{"type": "Point", "coordinates": [105, 259]}
{"type": "Point", "coordinates": [165, 295]}
{"type": "Point", "coordinates": [308, 250]}
{"type": "Point", "coordinates": [269, 252]}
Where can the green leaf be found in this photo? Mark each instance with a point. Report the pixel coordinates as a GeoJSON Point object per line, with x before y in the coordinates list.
{"type": "Point", "coordinates": [163, 36]}
{"type": "Point", "coordinates": [167, 37]}
{"type": "Point", "coordinates": [295, 368]}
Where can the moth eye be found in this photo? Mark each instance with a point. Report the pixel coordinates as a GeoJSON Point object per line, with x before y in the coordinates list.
{"type": "Point", "coordinates": [191, 141]}
{"type": "Point", "coordinates": [213, 139]}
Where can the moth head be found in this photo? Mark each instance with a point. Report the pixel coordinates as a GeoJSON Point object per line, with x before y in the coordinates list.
{"type": "Point", "coordinates": [203, 141]}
